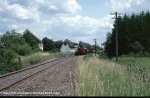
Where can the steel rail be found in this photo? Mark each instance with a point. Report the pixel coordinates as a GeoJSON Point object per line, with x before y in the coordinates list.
{"type": "Point", "coordinates": [48, 63]}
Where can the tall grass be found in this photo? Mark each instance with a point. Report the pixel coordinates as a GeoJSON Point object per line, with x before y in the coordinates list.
{"type": "Point", "coordinates": [137, 65]}
{"type": "Point", "coordinates": [136, 62]}
{"type": "Point", "coordinates": [97, 77]}
{"type": "Point", "coordinates": [41, 55]}
{"type": "Point", "coordinates": [28, 60]}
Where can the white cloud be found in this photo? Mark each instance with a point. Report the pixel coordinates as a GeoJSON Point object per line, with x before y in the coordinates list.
{"type": "Point", "coordinates": [1, 10]}
{"type": "Point", "coordinates": [72, 6]}
{"type": "Point", "coordinates": [17, 11]}
{"type": "Point", "coordinates": [85, 24]}
{"type": "Point", "coordinates": [52, 8]}
{"type": "Point", "coordinates": [55, 19]}
{"type": "Point", "coordinates": [58, 6]}
{"type": "Point", "coordinates": [119, 4]}
{"type": "Point", "coordinates": [88, 28]}
{"type": "Point", "coordinates": [129, 6]}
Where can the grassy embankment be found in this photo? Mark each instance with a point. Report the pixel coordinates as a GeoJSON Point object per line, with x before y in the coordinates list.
{"type": "Point", "coordinates": [98, 77]}
{"type": "Point", "coordinates": [41, 55]}
{"type": "Point", "coordinates": [139, 63]}
{"type": "Point", "coordinates": [27, 60]}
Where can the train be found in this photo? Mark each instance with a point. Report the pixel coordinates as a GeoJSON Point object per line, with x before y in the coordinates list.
{"type": "Point", "coordinates": [81, 50]}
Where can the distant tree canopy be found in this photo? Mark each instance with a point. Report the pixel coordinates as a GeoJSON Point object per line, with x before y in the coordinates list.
{"type": "Point", "coordinates": [11, 38]}
{"type": "Point", "coordinates": [133, 35]}
{"type": "Point", "coordinates": [91, 48]}
{"type": "Point", "coordinates": [12, 44]}
{"type": "Point", "coordinates": [30, 39]}
{"type": "Point", "coordinates": [50, 45]}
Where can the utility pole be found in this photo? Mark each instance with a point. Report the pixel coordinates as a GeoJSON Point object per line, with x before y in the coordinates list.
{"type": "Point", "coordinates": [116, 33]}
{"type": "Point", "coordinates": [95, 46]}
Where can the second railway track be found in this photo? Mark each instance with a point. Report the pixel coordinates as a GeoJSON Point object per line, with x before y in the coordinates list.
{"type": "Point", "coordinates": [13, 78]}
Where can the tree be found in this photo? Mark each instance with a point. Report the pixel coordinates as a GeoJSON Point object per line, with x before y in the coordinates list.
{"type": "Point", "coordinates": [30, 39]}
{"type": "Point", "coordinates": [12, 45]}
{"type": "Point", "coordinates": [109, 45]}
{"type": "Point", "coordinates": [48, 44]}
{"type": "Point", "coordinates": [58, 45]}
{"type": "Point", "coordinates": [11, 38]}
{"type": "Point", "coordinates": [22, 50]}
{"type": "Point", "coordinates": [133, 35]}
{"type": "Point", "coordinates": [88, 46]}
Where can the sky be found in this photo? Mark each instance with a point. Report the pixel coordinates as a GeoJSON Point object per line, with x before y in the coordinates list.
{"type": "Point", "coordinates": [76, 20]}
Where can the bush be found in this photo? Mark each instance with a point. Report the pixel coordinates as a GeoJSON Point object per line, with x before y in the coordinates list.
{"type": "Point", "coordinates": [36, 50]}
{"type": "Point", "coordinates": [9, 67]}
{"type": "Point", "coordinates": [89, 55]}
{"type": "Point", "coordinates": [7, 56]}
{"type": "Point", "coordinates": [146, 54]}
{"type": "Point", "coordinates": [139, 54]}
{"type": "Point", "coordinates": [22, 49]}
{"type": "Point", "coordinates": [102, 55]}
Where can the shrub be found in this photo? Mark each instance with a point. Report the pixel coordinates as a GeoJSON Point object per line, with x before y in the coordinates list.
{"type": "Point", "coordinates": [22, 49]}
{"type": "Point", "coordinates": [146, 54]}
{"type": "Point", "coordinates": [102, 55]}
{"type": "Point", "coordinates": [7, 56]}
{"type": "Point", "coordinates": [9, 67]}
{"type": "Point", "coordinates": [54, 50]}
{"type": "Point", "coordinates": [36, 49]}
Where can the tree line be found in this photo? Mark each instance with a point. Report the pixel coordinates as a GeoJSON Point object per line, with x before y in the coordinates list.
{"type": "Point", "coordinates": [50, 45]}
{"type": "Point", "coordinates": [133, 35]}
{"type": "Point", "coordinates": [91, 48]}
{"type": "Point", "coordinates": [13, 45]}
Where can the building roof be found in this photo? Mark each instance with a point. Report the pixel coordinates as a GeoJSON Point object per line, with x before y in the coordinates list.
{"type": "Point", "coordinates": [69, 43]}
{"type": "Point", "coordinates": [35, 37]}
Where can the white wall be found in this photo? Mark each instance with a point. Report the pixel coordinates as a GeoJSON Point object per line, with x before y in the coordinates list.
{"type": "Point", "coordinates": [66, 48]}
{"type": "Point", "coordinates": [40, 46]}
{"type": "Point", "coordinates": [73, 49]}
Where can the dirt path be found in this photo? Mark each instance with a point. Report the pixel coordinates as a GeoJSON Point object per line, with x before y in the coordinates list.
{"type": "Point", "coordinates": [56, 81]}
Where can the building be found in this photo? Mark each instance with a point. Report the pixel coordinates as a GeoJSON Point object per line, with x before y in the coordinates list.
{"type": "Point", "coordinates": [68, 46]}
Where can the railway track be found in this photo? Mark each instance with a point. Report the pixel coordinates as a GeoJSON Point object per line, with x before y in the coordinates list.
{"type": "Point", "coordinates": [13, 78]}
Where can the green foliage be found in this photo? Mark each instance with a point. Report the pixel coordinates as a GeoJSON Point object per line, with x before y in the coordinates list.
{"type": "Point", "coordinates": [102, 55]}
{"type": "Point", "coordinates": [109, 48]}
{"type": "Point", "coordinates": [12, 46]}
{"type": "Point", "coordinates": [7, 56]}
{"type": "Point", "coordinates": [61, 54]}
{"type": "Point", "coordinates": [133, 35]}
{"type": "Point", "coordinates": [36, 50]}
{"type": "Point", "coordinates": [50, 45]}
{"type": "Point", "coordinates": [55, 50]}
{"type": "Point", "coordinates": [97, 77]}
{"type": "Point", "coordinates": [91, 48]}
{"type": "Point", "coordinates": [6, 68]}
{"type": "Point", "coordinates": [11, 38]}
{"type": "Point", "coordinates": [22, 50]}
{"type": "Point", "coordinates": [89, 55]}
{"type": "Point", "coordinates": [137, 47]}
{"type": "Point", "coordinates": [146, 54]}
{"type": "Point", "coordinates": [58, 44]}
{"type": "Point", "coordinates": [139, 66]}
{"type": "Point", "coordinates": [75, 44]}
{"type": "Point", "coordinates": [29, 38]}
